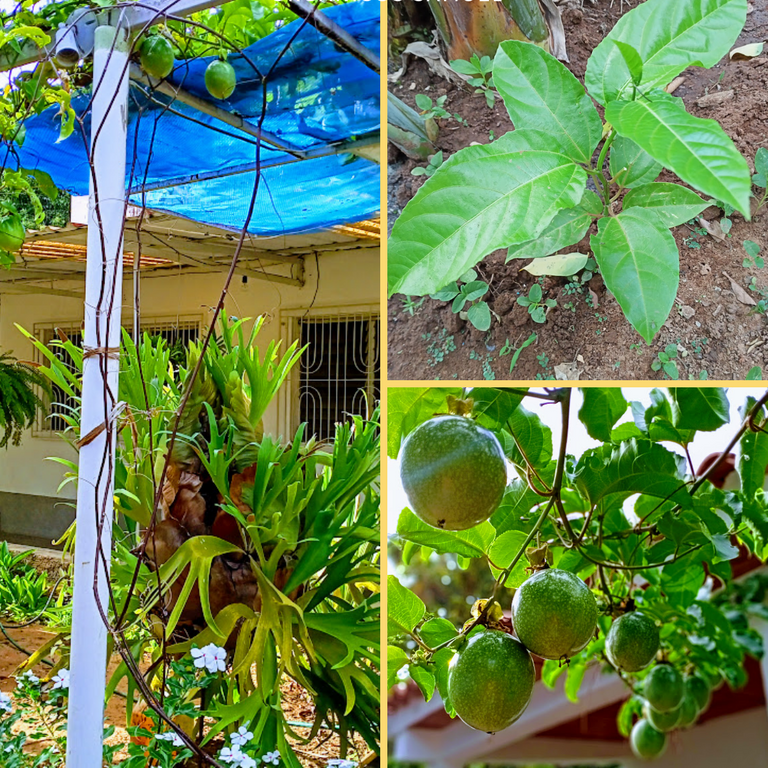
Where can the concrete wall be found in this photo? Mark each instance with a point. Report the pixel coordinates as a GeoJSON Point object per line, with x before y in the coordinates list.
{"type": "Point", "coordinates": [28, 483]}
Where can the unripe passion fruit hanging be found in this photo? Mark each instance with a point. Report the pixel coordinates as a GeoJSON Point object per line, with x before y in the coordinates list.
{"type": "Point", "coordinates": [220, 79]}
{"type": "Point", "coordinates": [12, 231]}
{"type": "Point", "coordinates": [646, 741]}
{"type": "Point", "coordinates": [157, 57]}
{"type": "Point", "coordinates": [453, 471]}
{"type": "Point", "coordinates": [632, 642]}
{"type": "Point", "coordinates": [490, 681]}
{"type": "Point", "coordinates": [663, 688]}
{"type": "Point", "coordinates": [554, 614]}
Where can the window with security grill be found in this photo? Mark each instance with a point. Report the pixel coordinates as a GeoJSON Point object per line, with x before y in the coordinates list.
{"type": "Point", "coordinates": [339, 373]}
{"type": "Point", "coordinates": [176, 332]}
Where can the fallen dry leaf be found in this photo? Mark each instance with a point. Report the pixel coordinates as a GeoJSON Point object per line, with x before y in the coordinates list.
{"type": "Point", "coordinates": [744, 52]}
{"type": "Point", "coordinates": [567, 372]}
{"type": "Point", "coordinates": [675, 84]}
{"type": "Point", "coordinates": [740, 294]}
{"type": "Point", "coordinates": [713, 228]}
{"type": "Point", "coordinates": [593, 298]}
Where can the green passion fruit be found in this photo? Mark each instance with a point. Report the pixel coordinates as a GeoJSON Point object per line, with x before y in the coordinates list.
{"type": "Point", "coordinates": [490, 681]}
{"type": "Point", "coordinates": [689, 711]}
{"type": "Point", "coordinates": [157, 57]}
{"type": "Point", "coordinates": [699, 689]}
{"type": "Point", "coordinates": [662, 721]}
{"type": "Point", "coordinates": [12, 232]}
{"type": "Point", "coordinates": [663, 688]}
{"type": "Point", "coordinates": [632, 642]}
{"type": "Point", "coordinates": [453, 471]}
{"type": "Point", "coordinates": [646, 741]}
{"type": "Point", "coordinates": [220, 79]}
{"type": "Point", "coordinates": [554, 614]}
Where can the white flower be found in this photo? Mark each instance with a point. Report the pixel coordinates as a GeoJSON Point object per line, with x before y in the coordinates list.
{"type": "Point", "coordinates": [248, 762]}
{"type": "Point", "coordinates": [272, 758]}
{"type": "Point", "coordinates": [336, 763]}
{"type": "Point", "coordinates": [5, 703]}
{"type": "Point", "coordinates": [28, 677]}
{"type": "Point", "coordinates": [212, 657]}
{"type": "Point", "coordinates": [242, 736]}
{"type": "Point", "coordinates": [231, 755]}
{"type": "Point", "coordinates": [171, 736]}
{"type": "Point", "coordinates": [60, 679]}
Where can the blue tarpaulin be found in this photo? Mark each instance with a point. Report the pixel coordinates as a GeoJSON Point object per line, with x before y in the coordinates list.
{"type": "Point", "coordinates": [316, 95]}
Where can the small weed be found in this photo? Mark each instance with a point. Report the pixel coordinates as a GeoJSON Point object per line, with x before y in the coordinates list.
{"type": "Point", "coordinates": [434, 109]}
{"type": "Point", "coordinates": [665, 361]}
{"type": "Point", "coordinates": [753, 258]}
{"type": "Point", "coordinates": [509, 349]}
{"type": "Point", "coordinates": [434, 162]}
{"type": "Point", "coordinates": [468, 290]}
{"type": "Point", "coordinates": [760, 177]}
{"type": "Point", "coordinates": [543, 360]}
{"type": "Point", "coordinates": [537, 306]}
{"type": "Point", "coordinates": [410, 306]}
{"type": "Point", "coordinates": [754, 374]}
{"type": "Point", "coordinates": [761, 308]}
{"type": "Point", "coordinates": [637, 348]}
{"type": "Point", "coordinates": [698, 345]}
{"type": "Point", "coordinates": [439, 347]}
{"type": "Point", "coordinates": [481, 77]}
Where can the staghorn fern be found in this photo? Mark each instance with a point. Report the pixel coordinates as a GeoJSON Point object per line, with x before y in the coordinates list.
{"type": "Point", "coordinates": [19, 400]}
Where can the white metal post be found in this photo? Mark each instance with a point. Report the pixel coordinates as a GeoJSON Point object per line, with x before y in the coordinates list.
{"type": "Point", "coordinates": [103, 299]}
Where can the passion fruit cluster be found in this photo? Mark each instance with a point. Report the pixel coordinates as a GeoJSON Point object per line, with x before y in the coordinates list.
{"type": "Point", "coordinates": [157, 60]}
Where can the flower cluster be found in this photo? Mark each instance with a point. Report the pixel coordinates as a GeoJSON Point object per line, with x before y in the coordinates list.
{"type": "Point", "coordinates": [235, 756]}
{"type": "Point", "coordinates": [6, 704]}
{"type": "Point", "coordinates": [60, 680]}
{"type": "Point", "coordinates": [212, 657]}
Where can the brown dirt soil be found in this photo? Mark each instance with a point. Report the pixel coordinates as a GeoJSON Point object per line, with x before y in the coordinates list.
{"type": "Point", "coordinates": [297, 705]}
{"type": "Point", "coordinates": [717, 336]}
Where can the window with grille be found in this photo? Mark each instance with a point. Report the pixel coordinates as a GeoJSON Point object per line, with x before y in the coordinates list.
{"type": "Point", "coordinates": [339, 373]}
{"type": "Point", "coordinates": [177, 332]}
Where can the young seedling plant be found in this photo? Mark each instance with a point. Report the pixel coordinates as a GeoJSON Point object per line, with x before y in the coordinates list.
{"type": "Point", "coordinates": [480, 75]}
{"type": "Point", "coordinates": [466, 295]}
{"type": "Point", "coordinates": [433, 163]}
{"type": "Point", "coordinates": [615, 560]}
{"type": "Point", "coordinates": [527, 191]}
{"type": "Point", "coordinates": [537, 305]}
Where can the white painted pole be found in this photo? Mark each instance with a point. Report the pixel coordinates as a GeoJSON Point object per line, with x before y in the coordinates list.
{"type": "Point", "coordinates": [103, 299]}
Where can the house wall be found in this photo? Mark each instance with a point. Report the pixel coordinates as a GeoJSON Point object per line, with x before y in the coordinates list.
{"type": "Point", "coordinates": [32, 511]}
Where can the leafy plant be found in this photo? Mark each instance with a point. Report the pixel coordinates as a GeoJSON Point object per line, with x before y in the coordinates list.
{"type": "Point", "coordinates": [628, 525]}
{"type": "Point", "coordinates": [412, 307]}
{"type": "Point", "coordinates": [19, 398]}
{"type": "Point", "coordinates": [508, 348]}
{"type": "Point", "coordinates": [265, 547]}
{"type": "Point", "coordinates": [537, 305]}
{"type": "Point", "coordinates": [480, 71]}
{"type": "Point", "coordinates": [432, 109]}
{"type": "Point", "coordinates": [753, 258]}
{"type": "Point", "coordinates": [468, 290]}
{"type": "Point", "coordinates": [760, 177]}
{"type": "Point", "coordinates": [434, 162]}
{"type": "Point", "coordinates": [665, 361]}
{"type": "Point", "coordinates": [526, 191]}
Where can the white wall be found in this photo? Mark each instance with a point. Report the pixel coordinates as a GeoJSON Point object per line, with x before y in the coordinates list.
{"type": "Point", "coordinates": [346, 278]}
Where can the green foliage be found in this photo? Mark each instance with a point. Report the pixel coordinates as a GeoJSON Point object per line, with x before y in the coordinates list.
{"type": "Point", "coordinates": [434, 162]}
{"type": "Point", "coordinates": [526, 191]}
{"type": "Point", "coordinates": [665, 360]}
{"type": "Point", "coordinates": [536, 304]}
{"type": "Point", "coordinates": [468, 290]}
{"type": "Point", "coordinates": [625, 513]}
{"type": "Point", "coordinates": [19, 398]}
{"type": "Point", "coordinates": [306, 523]}
{"type": "Point", "coordinates": [480, 72]}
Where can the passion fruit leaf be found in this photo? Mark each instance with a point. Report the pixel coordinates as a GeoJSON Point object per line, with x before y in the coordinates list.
{"type": "Point", "coordinates": [449, 226]}
{"type": "Point", "coordinates": [631, 166]}
{"type": "Point", "coordinates": [573, 680]}
{"type": "Point", "coordinates": [668, 38]}
{"type": "Point", "coordinates": [407, 407]}
{"type": "Point", "coordinates": [442, 661]}
{"type": "Point", "coordinates": [699, 408]}
{"type": "Point", "coordinates": [673, 203]}
{"type": "Point", "coordinates": [601, 409]}
{"type": "Point", "coordinates": [424, 677]}
{"type": "Point", "coordinates": [538, 90]}
{"type": "Point", "coordinates": [534, 436]}
{"type": "Point", "coordinates": [404, 609]}
{"type": "Point", "coordinates": [503, 551]}
{"type": "Point", "coordinates": [494, 407]}
{"type": "Point", "coordinates": [396, 660]}
{"type": "Point", "coordinates": [631, 707]}
{"type": "Point", "coordinates": [753, 454]}
{"type": "Point", "coordinates": [634, 466]}
{"type": "Point", "coordinates": [515, 509]}
{"type": "Point", "coordinates": [473, 542]}
{"type": "Point", "coordinates": [551, 671]}
{"type": "Point", "coordinates": [697, 150]}
{"type": "Point", "coordinates": [640, 264]}
{"type": "Point", "coordinates": [437, 631]}
{"type": "Point", "coordinates": [682, 579]}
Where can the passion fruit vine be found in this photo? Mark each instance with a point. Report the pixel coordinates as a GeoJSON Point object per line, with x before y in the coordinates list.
{"type": "Point", "coordinates": [453, 471]}
{"type": "Point", "coordinates": [490, 681]}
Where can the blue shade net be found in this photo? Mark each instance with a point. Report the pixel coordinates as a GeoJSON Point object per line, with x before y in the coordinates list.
{"type": "Point", "coordinates": [317, 95]}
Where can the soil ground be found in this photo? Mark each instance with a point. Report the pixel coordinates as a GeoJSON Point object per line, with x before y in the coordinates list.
{"type": "Point", "coordinates": [717, 336]}
{"type": "Point", "coordinates": [297, 705]}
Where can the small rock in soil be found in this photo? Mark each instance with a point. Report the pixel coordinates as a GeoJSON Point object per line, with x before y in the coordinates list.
{"type": "Point", "coordinates": [519, 316]}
